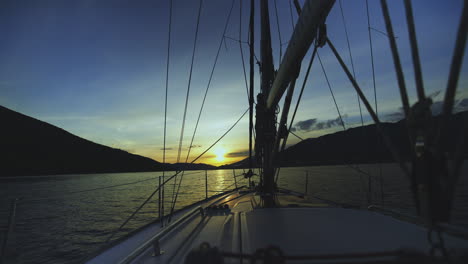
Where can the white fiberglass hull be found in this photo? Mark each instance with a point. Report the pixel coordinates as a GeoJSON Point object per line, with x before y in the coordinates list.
{"type": "Point", "coordinates": [296, 229]}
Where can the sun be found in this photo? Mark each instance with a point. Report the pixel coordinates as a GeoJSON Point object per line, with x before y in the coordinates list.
{"type": "Point", "coordinates": [219, 152]}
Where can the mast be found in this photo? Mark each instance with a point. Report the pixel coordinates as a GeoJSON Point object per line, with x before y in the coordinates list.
{"type": "Point", "coordinates": [266, 117]}
{"type": "Point", "coordinates": [273, 84]}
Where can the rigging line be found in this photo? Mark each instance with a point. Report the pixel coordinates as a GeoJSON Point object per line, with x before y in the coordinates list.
{"type": "Point", "coordinates": [241, 49]}
{"type": "Point", "coordinates": [357, 169]}
{"type": "Point", "coordinates": [167, 81]}
{"type": "Point", "coordinates": [385, 138]}
{"type": "Point", "coordinates": [331, 92]}
{"type": "Point", "coordinates": [236, 40]}
{"type": "Point", "coordinates": [283, 121]}
{"type": "Point", "coordinates": [175, 175]}
{"type": "Point", "coordinates": [351, 58]}
{"type": "Point", "coordinates": [298, 7]}
{"type": "Point", "coordinates": [279, 34]}
{"type": "Point", "coordinates": [289, 131]}
{"type": "Point", "coordinates": [372, 58]}
{"type": "Point", "coordinates": [452, 82]}
{"type": "Point", "coordinates": [139, 207]}
{"type": "Point", "coordinates": [381, 32]}
{"type": "Point", "coordinates": [212, 145]}
{"type": "Point", "coordinates": [341, 119]}
{"type": "Point", "coordinates": [209, 81]}
{"type": "Point", "coordinates": [351, 166]}
{"type": "Point", "coordinates": [225, 44]}
{"type": "Point", "coordinates": [338, 110]}
{"type": "Point", "coordinates": [188, 89]}
{"type": "Point", "coordinates": [257, 60]}
{"type": "Point", "coordinates": [283, 146]}
{"type": "Point", "coordinates": [347, 39]}
{"type": "Point", "coordinates": [375, 92]}
{"type": "Point", "coordinates": [294, 134]}
{"type": "Point", "coordinates": [174, 198]}
{"type": "Point", "coordinates": [414, 50]}
{"type": "Point", "coordinates": [298, 10]}
{"type": "Point", "coordinates": [189, 82]}
{"type": "Point", "coordinates": [455, 67]}
{"type": "Point", "coordinates": [251, 80]}
{"type": "Point", "coordinates": [228, 187]}
{"type": "Point", "coordinates": [401, 86]}
{"type": "Point", "coordinates": [204, 97]}
{"type": "Point", "coordinates": [291, 13]}
{"type": "Point", "coordinates": [302, 88]}
{"type": "Point", "coordinates": [396, 59]}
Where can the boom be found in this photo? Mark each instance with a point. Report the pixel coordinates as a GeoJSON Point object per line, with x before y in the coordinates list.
{"type": "Point", "coordinates": [313, 14]}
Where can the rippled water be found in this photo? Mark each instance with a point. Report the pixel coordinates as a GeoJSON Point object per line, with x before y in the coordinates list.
{"type": "Point", "coordinates": [55, 225]}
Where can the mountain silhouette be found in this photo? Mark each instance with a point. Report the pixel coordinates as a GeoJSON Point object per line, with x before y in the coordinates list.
{"type": "Point", "coordinates": [33, 147]}
{"type": "Point", "coordinates": [364, 145]}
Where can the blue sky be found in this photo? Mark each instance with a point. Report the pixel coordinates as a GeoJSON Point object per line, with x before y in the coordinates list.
{"type": "Point", "coordinates": [97, 68]}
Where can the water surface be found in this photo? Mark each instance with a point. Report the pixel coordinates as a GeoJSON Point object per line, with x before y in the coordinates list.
{"type": "Point", "coordinates": [59, 221]}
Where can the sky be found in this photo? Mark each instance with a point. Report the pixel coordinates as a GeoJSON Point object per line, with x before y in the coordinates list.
{"type": "Point", "coordinates": [98, 69]}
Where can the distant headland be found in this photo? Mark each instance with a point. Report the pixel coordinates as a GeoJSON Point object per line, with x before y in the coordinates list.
{"type": "Point", "coordinates": [30, 147]}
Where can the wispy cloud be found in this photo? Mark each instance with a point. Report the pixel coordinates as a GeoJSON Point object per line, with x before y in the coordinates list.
{"type": "Point", "coordinates": [237, 154]}
{"type": "Point", "coordinates": [313, 124]}
{"type": "Point", "coordinates": [305, 125]}
{"type": "Point", "coordinates": [166, 149]}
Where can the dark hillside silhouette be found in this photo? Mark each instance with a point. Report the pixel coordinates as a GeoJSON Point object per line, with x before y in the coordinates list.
{"type": "Point", "coordinates": [361, 145]}
{"type": "Point", "coordinates": [32, 147]}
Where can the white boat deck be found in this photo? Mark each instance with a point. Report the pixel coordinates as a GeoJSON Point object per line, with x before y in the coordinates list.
{"type": "Point", "coordinates": [295, 230]}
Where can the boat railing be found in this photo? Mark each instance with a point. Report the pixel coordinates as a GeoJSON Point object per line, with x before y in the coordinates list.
{"type": "Point", "coordinates": [154, 240]}
{"type": "Point", "coordinates": [208, 192]}
{"type": "Point", "coordinates": [304, 182]}
{"type": "Point", "coordinates": [230, 180]}
{"type": "Point", "coordinates": [166, 219]}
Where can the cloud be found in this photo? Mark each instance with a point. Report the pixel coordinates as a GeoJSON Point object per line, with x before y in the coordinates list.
{"type": "Point", "coordinates": [305, 125]}
{"type": "Point", "coordinates": [243, 153]}
{"type": "Point", "coordinates": [313, 124]}
{"type": "Point", "coordinates": [329, 123]}
{"type": "Point", "coordinates": [166, 149]}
